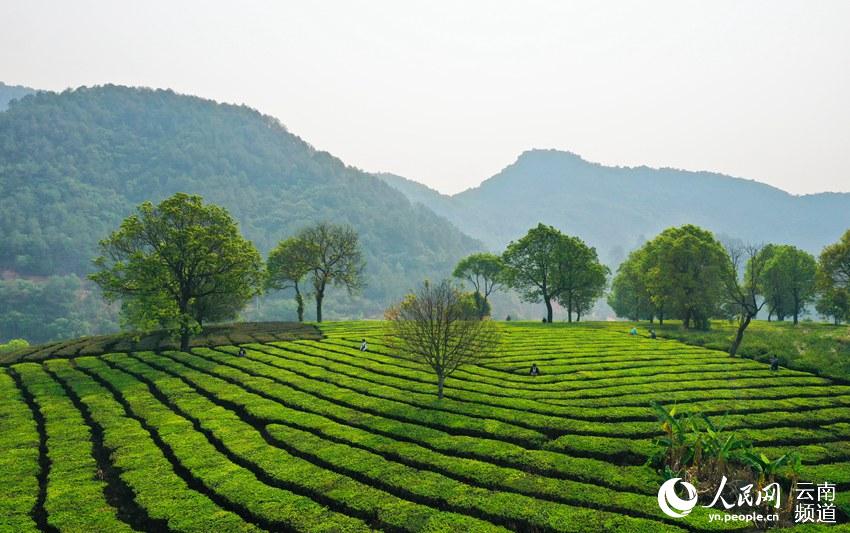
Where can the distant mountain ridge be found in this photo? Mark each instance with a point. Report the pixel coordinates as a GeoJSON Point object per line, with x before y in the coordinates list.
{"type": "Point", "coordinates": [616, 208]}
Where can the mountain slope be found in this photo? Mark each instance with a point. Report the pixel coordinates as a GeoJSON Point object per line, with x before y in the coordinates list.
{"type": "Point", "coordinates": [616, 208]}
{"type": "Point", "coordinates": [72, 165]}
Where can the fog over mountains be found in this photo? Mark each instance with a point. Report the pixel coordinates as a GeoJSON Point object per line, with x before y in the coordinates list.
{"type": "Point", "coordinates": [616, 208]}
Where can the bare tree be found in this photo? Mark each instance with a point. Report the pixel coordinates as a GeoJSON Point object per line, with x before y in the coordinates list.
{"type": "Point", "coordinates": [440, 327]}
{"type": "Point", "coordinates": [743, 285]}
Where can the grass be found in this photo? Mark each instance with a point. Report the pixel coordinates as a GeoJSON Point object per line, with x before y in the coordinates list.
{"type": "Point", "coordinates": [307, 433]}
{"type": "Point", "coordinates": [819, 348]}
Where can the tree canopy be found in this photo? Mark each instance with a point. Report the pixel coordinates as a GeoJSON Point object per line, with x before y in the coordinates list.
{"type": "Point", "coordinates": [788, 280]}
{"type": "Point", "coordinates": [546, 265]}
{"type": "Point", "coordinates": [485, 272]}
{"type": "Point", "coordinates": [332, 256]}
{"type": "Point", "coordinates": [287, 266]}
{"type": "Point", "coordinates": [177, 265]}
{"type": "Point", "coordinates": [681, 273]}
{"type": "Point", "coordinates": [833, 279]}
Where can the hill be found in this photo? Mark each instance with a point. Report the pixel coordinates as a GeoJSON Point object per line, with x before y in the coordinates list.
{"type": "Point", "coordinates": [616, 208]}
{"type": "Point", "coordinates": [314, 435]}
{"type": "Point", "coordinates": [12, 92]}
{"type": "Point", "coordinates": [74, 164]}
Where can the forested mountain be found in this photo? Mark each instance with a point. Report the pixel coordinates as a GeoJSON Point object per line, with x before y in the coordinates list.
{"type": "Point", "coordinates": [74, 164]}
{"type": "Point", "coordinates": [12, 92]}
{"type": "Point", "coordinates": [617, 208]}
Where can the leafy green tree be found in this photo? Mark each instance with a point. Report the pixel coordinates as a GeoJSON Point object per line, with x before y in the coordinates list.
{"type": "Point", "coordinates": [288, 265]}
{"type": "Point", "coordinates": [177, 264]}
{"type": "Point", "coordinates": [485, 272]}
{"type": "Point", "coordinates": [773, 285]}
{"type": "Point", "coordinates": [546, 265]}
{"type": "Point", "coordinates": [687, 269]}
{"type": "Point", "coordinates": [833, 279]}
{"type": "Point", "coordinates": [835, 304]}
{"type": "Point", "coordinates": [629, 296]}
{"type": "Point", "coordinates": [334, 257]}
{"type": "Point", "coordinates": [585, 279]}
{"type": "Point", "coordinates": [788, 280]}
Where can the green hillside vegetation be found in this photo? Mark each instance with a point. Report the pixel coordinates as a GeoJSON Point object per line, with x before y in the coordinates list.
{"type": "Point", "coordinates": [315, 435]}
{"type": "Point", "coordinates": [74, 164]}
{"type": "Point", "coordinates": [822, 349]}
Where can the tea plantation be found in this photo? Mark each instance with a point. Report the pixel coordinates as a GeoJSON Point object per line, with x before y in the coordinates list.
{"type": "Point", "coordinates": [311, 434]}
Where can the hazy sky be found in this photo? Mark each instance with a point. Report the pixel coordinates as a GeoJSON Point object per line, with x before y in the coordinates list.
{"type": "Point", "coordinates": [448, 93]}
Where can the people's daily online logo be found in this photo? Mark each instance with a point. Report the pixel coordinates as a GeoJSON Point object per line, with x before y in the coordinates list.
{"type": "Point", "coordinates": [813, 503]}
{"type": "Point", "coordinates": [672, 505]}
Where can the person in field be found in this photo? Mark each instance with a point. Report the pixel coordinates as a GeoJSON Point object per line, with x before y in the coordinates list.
{"type": "Point", "coordinates": [364, 346]}
{"type": "Point", "coordinates": [534, 370]}
{"type": "Point", "coordinates": [774, 363]}
{"type": "Point", "coordinates": [241, 352]}
{"type": "Point", "coordinates": [652, 334]}
{"type": "Point", "coordinates": [633, 331]}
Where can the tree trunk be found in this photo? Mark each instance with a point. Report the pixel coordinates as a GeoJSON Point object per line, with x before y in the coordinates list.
{"type": "Point", "coordinates": [184, 339]}
{"type": "Point", "coordinates": [299, 301]}
{"type": "Point", "coordinates": [570, 308]}
{"type": "Point", "coordinates": [183, 307]}
{"type": "Point", "coordinates": [739, 336]}
{"type": "Point", "coordinates": [440, 380]}
{"type": "Point", "coordinates": [319, 298]}
{"type": "Point", "coordinates": [548, 309]}
{"type": "Point", "coordinates": [796, 308]}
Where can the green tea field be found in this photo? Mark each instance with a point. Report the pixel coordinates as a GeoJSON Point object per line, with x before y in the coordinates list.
{"type": "Point", "coordinates": [314, 435]}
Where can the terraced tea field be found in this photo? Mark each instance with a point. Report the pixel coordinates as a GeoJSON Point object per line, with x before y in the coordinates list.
{"type": "Point", "coordinates": [313, 435]}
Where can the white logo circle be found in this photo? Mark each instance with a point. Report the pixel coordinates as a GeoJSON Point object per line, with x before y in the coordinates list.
{"type": "Point", "coordinates": [671, 504]}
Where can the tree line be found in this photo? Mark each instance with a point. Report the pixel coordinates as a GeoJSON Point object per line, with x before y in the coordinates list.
{"type": "Point", "coordinates": [182, 263]}
{"type": "Point", "coordinates": [686, 273]}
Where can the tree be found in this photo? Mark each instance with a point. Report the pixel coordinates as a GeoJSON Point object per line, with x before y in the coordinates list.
{"type": "Point", "coordinates": [334, 259]}
{"type": "Point", "coordinates": [484, 272]}
{"type": "Point", "coordinates": [437, 326]}
{"type": "Point", "coordinates": [585, 279]}
{"type": "Point", "coordinates": [287, 266]}
{"type": "Point", "coordinates": [835, 304]}
{"type": "Point", "coordinates": [833, 279]}
{"type": "Point", "coordinates": [773, 285]}
{"type": "Point", "coordinates": [743, 291]}
{"type": "Point", "coordinates": [629, 296]}
{"type": "Point", "coordinates": [532, 265]}
{"type": "Point", "coordinates": [788, 280]}
{"type": "Point", "coordinates": [686, 269]}
{"type": "Point", "coordinates": [177, 264]}
{"type": "Point", "coordinates": [547, 265]}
